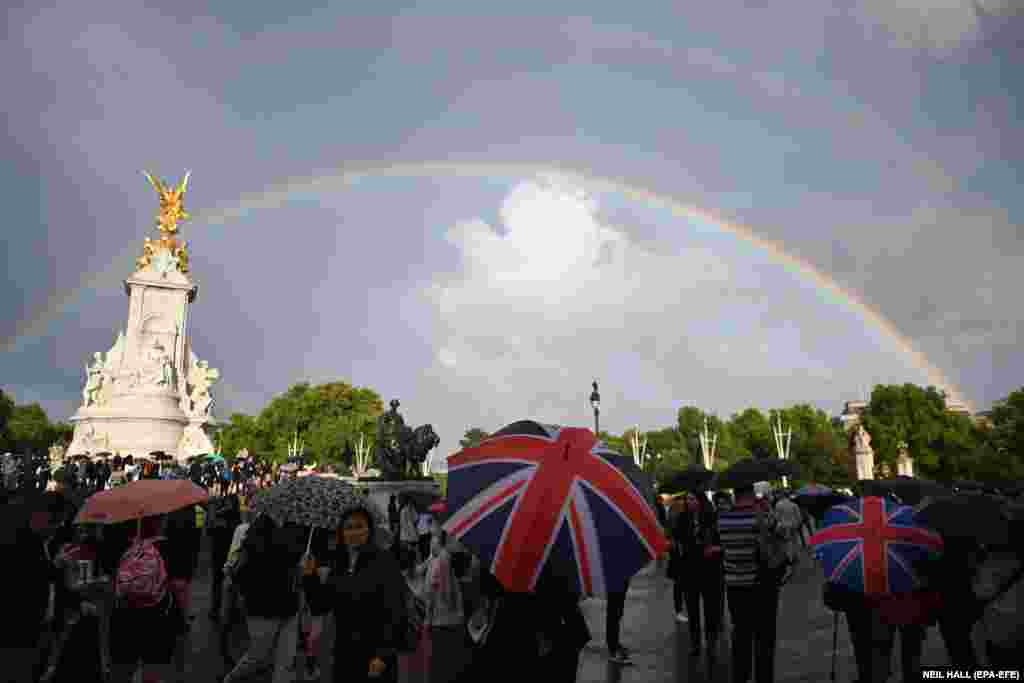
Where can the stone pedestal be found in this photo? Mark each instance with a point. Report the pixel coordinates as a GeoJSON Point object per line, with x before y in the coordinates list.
{"type": "Point", "coordinates": [864, 463]}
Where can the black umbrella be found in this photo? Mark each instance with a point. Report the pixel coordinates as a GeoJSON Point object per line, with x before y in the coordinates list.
{"type": "Point", "coordinates": [909, 490]}
{"type": "Point", "coordinates": [968, 485]}
{"type": "Point", "coordinates": [640, 479]}
{"type": "Point", "coordinates": [967, 516]}
{"type": "Point", "coordinates": [160, 455]}
{"type": "Point", "coordinates": [690, 479]}
{"type": "Point", "coordinates": [748, 471]}
{"type": "Point", "coordinates": [816, 505]}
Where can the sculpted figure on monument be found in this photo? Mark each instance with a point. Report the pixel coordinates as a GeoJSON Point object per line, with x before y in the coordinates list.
{"type": "Point", "coordinates": [198, 400]}
{"type": "Point", "coordinates": [94, 376]}
{"type": "Point", "coordinates": [861, 439]}
{"type": "Point", "coordinates": [157, 369]}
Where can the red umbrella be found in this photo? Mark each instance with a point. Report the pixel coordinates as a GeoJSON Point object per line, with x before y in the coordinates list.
{"type": "Point", "coordinates": [140, 499]}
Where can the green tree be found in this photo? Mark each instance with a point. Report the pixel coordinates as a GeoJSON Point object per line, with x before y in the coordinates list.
{"type": "Point", "coordinates": [29, 429]}
{"type": "Point", "coordinates": [667, 465]}
{"type": "Point", "coordinates": [6, 410]}
{"type": "Point", "coordinates": [1001, 451]}
{"type": "Point", "coordinates": [939, 442]}
{"type": "Point", "coordinates": [241, 431]}
{"type": "Point", "coordinates": [816, 444]}
{"type": "Point", "coordinates": [473, 437]}
{"type": "Point", "coordinates": [62, 433]}
{"type": "Point", "coordinates": [753, 433]}
{"type": "Point", "coordinates": [325, 417]}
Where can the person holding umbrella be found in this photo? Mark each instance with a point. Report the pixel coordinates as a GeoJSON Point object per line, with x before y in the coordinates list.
{"type": "Point", "coordinates": [753, 584]}
{"type": "Point", "coordinates": [700, 571]}
{"type": "Point", "coordinates": [363, 586]}
{"type": "Point", "coordinates": [268, 579]}
{"type": "Point", "coordinates": [561, 466]}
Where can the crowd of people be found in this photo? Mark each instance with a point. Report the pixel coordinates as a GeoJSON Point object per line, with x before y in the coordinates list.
{"type": "Point", "coordinates": [718, 558]}
{"type": "Point", "coordinates": [337, 604]}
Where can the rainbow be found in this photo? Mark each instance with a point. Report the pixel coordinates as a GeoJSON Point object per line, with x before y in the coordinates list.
{"type": "Point", "coordinates": [277, 194]}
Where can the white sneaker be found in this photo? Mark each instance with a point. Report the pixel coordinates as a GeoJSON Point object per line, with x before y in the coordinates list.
{"type": "Point", "coordinates": [682, 618]}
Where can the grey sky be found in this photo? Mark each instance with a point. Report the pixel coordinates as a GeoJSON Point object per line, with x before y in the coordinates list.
{"type": "Point", "coordinates": [881, 143]}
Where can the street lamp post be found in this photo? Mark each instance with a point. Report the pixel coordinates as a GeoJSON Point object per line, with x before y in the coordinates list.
{"type": "Point", "coordinates": [595, 401]}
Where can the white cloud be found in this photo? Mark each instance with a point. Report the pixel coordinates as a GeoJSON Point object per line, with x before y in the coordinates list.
{"type": "Point", "coordinates": [535, 314]}
{"type": "Point", "coordinates": [934, 25]}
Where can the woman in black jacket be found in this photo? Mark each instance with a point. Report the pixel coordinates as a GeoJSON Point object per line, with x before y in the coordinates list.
{"type": "Point", "coordinates": [699, 568]}
{"type": "Point", "coordinates": [365, 590]}
{"type": "Point", "coordinates": [268, 578]}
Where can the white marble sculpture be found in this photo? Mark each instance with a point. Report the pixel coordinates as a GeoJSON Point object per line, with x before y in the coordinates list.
{"type": "Point", "coordinates": [863, 454]}
{"type": "Point", "coordinates": [94, 378]}
{"type": "Point", "coordinates": [904, 463]}
{"type": "Point", "coordinates": [196, 399]}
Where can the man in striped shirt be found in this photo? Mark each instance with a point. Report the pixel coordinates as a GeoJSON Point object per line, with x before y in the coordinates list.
{"type": "Point", "coordinates": [753, 595]}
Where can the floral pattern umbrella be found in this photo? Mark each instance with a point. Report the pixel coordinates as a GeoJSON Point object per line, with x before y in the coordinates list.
{"type": "Point", "coordinates": [314, 502]}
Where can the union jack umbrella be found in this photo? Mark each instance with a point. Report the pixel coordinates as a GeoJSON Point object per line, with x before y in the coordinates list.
{"type": "Point", "coordinates": [533, 497]}
{"type": "Point", "coordinates": [870, 545]}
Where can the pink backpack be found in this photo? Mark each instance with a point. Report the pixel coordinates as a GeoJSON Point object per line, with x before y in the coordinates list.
{"type": "Point", "coordinates": [141, 576]}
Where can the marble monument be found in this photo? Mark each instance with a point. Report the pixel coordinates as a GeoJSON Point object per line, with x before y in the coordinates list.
{"type": "Point", "coordinates": [150, 392]}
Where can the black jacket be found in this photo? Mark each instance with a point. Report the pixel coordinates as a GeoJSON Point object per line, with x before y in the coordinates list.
{"type": "Point", "coordinates": [29, 575]}
{"type": "Point", "coordinates": [691, 545]}
{"type": "Point", "coordinates": [269, 576]}
{"type": "Point", "coordinates": [368, 607]}
{"type": "Point", "coordinates": [183, 543]}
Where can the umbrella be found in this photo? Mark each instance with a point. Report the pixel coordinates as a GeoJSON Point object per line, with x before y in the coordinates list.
{"type": "Point", "coordinates": [908, 490]}
{"type": "Point", "coordinates": [312, 501]}
{"type": "Point", "coordinates": [817, 505]}
{"type": "Point", "coordinates": [139, 499]}
{"type": "Point", "coordinates": [537, 498]}
{"type": "Point", "coordinates": [752, 470]}
{"type": "Point", "coordinates": [692, 478]}
{"type": "Point", "coordinates": [640, 479]}
{"type": "Point", "coordinates": [160, 455]}
{"type": "Point", "coordinates": [214, 457]}
{"type": "Point", "coordinates": [440, 507]}
{"type": "Point", "coordinates": [871, 546]}
{"type": "Point", "coordinates": [814, 490]}
{"type": "Point", "coordinates": [971, 516]}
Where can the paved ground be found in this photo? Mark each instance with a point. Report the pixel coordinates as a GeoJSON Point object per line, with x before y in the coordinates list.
{"type": "Point", "coordinates": [659, 644]}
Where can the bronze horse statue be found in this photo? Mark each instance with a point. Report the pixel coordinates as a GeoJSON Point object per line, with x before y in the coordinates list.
{"type": "Point", "coordinates": [399, 447]}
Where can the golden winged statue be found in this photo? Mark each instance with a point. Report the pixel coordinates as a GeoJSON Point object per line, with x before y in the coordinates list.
{"type": "Point", "coordinates": [172, 204]}
{"type": "Point", "coordinates": [172, 211]}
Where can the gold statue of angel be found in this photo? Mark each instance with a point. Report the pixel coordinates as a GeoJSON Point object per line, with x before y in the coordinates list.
{"type": "Point", "coordinates": [148, 251]}
{"type": "Point", "coordinates": [172, 204]}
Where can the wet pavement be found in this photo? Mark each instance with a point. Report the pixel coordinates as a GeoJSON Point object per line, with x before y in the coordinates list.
{"type": "Point", "coordinates": [659, 644]}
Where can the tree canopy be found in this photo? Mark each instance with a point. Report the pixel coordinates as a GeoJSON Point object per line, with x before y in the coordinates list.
{"type": "Point", "coordinates": [473, 437]}
{"type": "Point", "coordinates": [324, 418]}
